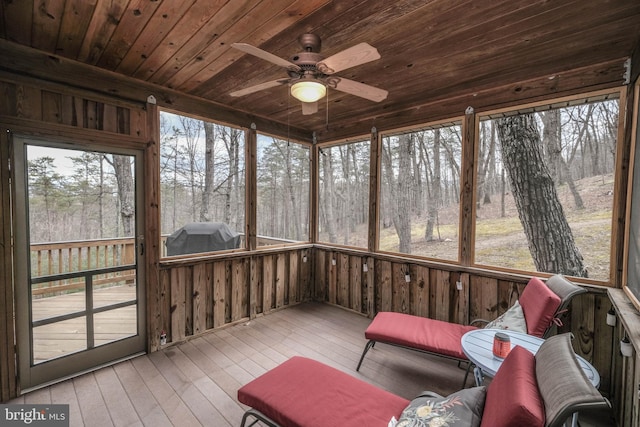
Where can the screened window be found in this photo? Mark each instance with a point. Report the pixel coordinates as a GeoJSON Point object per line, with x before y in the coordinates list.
{"type": "Point", "coordinates": [283, 183]}
{"type": "Point", "coordinates": [344, 193]}
{"type": "Point", "coordinates": [545, 185]}
{"type": "Point", "coordinates": [202, 181]}
{"type": "Point", "coordinates": [420, 192]}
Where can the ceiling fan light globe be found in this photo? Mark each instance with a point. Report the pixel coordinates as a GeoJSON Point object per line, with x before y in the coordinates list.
{"type": "Point", "coordinates": [308, 91]}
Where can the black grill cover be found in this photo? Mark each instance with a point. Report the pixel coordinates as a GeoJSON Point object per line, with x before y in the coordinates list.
{"type": "Point", "coordinates": [202, 237]}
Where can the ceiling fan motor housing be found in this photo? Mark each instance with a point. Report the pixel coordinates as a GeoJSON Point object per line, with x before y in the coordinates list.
{"type": "Point", "coordinates": [310, 42]}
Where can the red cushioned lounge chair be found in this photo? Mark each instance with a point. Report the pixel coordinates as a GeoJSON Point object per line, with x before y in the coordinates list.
{"type": "Point", "coordinates": [544, 390]}
{"type": "Point", "coordinates": [541, 304]}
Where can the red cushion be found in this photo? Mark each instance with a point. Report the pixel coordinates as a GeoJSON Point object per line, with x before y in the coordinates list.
{"type": "Point", "coordinates": [303, 392]}
{"type": "Point", "coordinates": [539, 305]}
{"type": "Point", "coordinates": [513, 398]}
{"type": "Point", "coordinates": [418, 332]}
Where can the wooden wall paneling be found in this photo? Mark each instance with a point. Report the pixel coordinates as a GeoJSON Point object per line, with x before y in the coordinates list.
{"type": "Point", "coordinates": [355, 283]}
{"type": "Point", "coordinates": [219, 293]}
{"type": "Point", "coordinates": [462, 304]}
{"type": "Point", "coordinates": [582, 324]}
{"type": "Point", "coordinates": [400, 292]}
{"type": "Point", "coordinates": [51, 107]}
{"type": "Point", "coordinates": [420, 291]}
{"type": "Point", "coordinates": [163, 296]}
{"type": "Point", "coordinates": [343, 279]}
{"type": "Point", "coordinates": [28, 102]}
{"type": "Point", "coordinates": [268, 284]}
{"type": "Point", "coordinates": [110, 118]}
{"type": "Point", "coordinates": [332, 263]}
{"type": "Point", "coordinates": [201, 282]}
{"type": "Point", "coordinates": [459, 298]}
{"type": "Point", "coordinates": [255, 286]}
{"type": "Point", "coordinates": [131, 122]}
{"type": "Point", "coordinates": [368, 287]}
{"type": "Point", "coordinates": [72, 111]}
{"type": "Point", "coordinates": [483, 298]}
{"type": "Point", "coordinates": [90, 112]}
{"type": "Point", "coordinates": [178, 303]}
{"type": "Point", "coordinates": [8, 386]}
{"type": "Point", "coordinates": [615, 389]}
{"type": "Point", "coordinates": [508, 293]}
{"type": "Point", "coordinates": [630, 390]}
{"type": "Point", "coordinates": [384, 281]}
{"type": "Point", "coordinates": [320, 278]}
{"type": "Point", "coordinates": [439, 295]}
{"type": "Point", "coordinates": [8, 99]}
{"type": "Point", "coordinates": [280, 279]}
{"type": "Point", "coordinates": [187, 278]}
{"type": "Point", "coordinates": [603, 341]}
{"type": "Point", "coordinates": [306, 291]}
{"type": "Point", "coordinates": [294, 277]}
{"type": "Point", "coordinates": [635, 412]}
{"type": "Point", "coordinates": [209, 296]}
{"type": "Point", "coordinates": [239, 291]}
{"type": "Point", "coordinates": [123, 118]}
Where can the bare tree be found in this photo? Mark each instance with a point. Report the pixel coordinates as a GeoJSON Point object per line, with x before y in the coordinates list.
{"type": "Point", "coordinates": [122, 166]}
{"type": "Point", "coordinates": [549, 236]}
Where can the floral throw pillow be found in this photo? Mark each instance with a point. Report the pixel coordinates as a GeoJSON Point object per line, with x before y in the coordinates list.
{"type": "Point", "coordinates": [462, 408]}
{"type": "Point", "coordinates": [512, 319]}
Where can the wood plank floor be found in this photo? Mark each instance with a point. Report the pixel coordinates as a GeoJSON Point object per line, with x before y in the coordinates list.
{"type": "Point", "coordinates": [195, 383]}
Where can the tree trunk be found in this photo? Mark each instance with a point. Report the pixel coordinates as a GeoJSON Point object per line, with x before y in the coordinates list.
{"type": "Point", "coordinates": [209, 159]}
{"type": "Point", "coordinates": [548, 234]}
{"type": "Point", "coordinates": [402, 205]}
{"type": "Point", "coordinates": [434, 194]}
{"type": "Point", "coordinates": [124, 178]}
{"type": "Point", "coordinates": [552, 143]}
{"type": "Point", "coordinates": [329, 193]}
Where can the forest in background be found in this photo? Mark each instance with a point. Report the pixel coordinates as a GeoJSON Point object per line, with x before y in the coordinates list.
{"type": "Point", "coordinates": [564, 187]}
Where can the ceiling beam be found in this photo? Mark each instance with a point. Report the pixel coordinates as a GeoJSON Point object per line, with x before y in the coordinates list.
{"type": "Point", "coordinates": [25, 61]}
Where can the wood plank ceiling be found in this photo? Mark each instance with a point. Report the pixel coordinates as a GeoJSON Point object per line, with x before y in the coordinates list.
{"type": "Point", "coordinates": [437, 56]}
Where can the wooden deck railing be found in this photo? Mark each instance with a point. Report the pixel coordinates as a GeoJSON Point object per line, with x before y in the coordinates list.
{"type": "Point", "coordinates": [54, 259]}
{"type": "Point", "coordinates": [50, 259]}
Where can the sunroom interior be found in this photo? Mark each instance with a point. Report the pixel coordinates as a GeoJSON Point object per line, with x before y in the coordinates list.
{"type": "Point", "coordinates": [456, 150]}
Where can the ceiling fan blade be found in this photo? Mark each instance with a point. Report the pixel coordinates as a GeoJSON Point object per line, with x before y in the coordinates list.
{"type": "Point", "coordinates": [261, 86]}
{"type": "Point", "coordinates": [309, 108]}
{"type": "Point", "coordinates": [360, 89]}
{"type": "Point", "coordinates": [355, 55]}
{"type": "Point", "coordinates": [263, 54]}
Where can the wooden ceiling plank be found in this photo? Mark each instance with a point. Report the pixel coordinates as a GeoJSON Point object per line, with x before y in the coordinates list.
{"type": "Point", "coordinates": [234, 13]}
{"type": "Point", "coordinates": [191, 22]}
{"type": "Point", "coordinates": [106, 17]}
{"type": "Point", "coordinates": [163, 20]}
{"type": "Point", "coordinates": [133, 22]}
{"type": "Point", "coordinates": [482, 73]}
{"type": "Point", "coordinates": [259, 26]}
{"type": "Point", "coordinates": [47, 18]}
{"type": "Point", "coordinates": [75, 21]}
{"type": "Point", "coordinates": [18, 19]}
{"type": "Point", "coordinates": [517, 37]}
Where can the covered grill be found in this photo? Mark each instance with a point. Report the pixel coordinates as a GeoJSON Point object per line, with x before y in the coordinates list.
{"type": "Point", "coordinates": [198, 237]}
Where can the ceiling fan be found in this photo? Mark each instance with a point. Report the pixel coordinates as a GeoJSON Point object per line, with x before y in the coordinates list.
{"type": "Point", "coordinates": [310, 73]}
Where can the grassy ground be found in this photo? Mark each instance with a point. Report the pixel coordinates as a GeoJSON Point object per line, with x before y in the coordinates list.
{"type": "Point", "coordinates": [500, 241]}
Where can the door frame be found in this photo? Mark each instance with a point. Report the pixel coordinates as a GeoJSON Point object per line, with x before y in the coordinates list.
{"type": "Point", "coordinates": [45, 373]}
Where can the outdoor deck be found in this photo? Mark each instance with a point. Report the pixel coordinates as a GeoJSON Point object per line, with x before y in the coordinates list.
{"type": "Point", "coordinates": [195, 383]}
